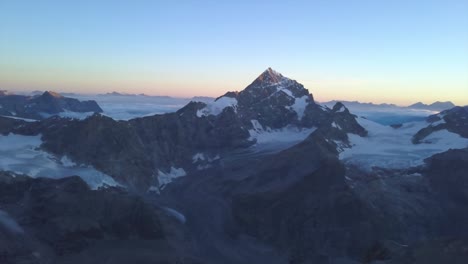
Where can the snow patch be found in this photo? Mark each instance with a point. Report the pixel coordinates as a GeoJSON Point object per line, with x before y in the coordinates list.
{"type": "Point", "coordinates": [335, 125]}
{"type": "Point", "coordinates": [14, 142]}
{"type": "Point", "coordinates": [20, 118]}
{"type": "Point", "coordinates": [287, 134]}
{"type": "Point", "coordinates": [441, 121]}
{"type": "Point", "coordinates": [153, 189]}
{"type": "Point", "coordinates": [383, 147]}
{"type": "Point", "coordinates": [67, 162]}
{"type": "Point", "coordinates": [342, 109]}
{"type": "Point", "coordinates": [216, 107]}
{"type": "Point", "coordinates": [256, 125]}
{"type": "Point", "coordinates": [217, 157]}
{"type": "Point", "coordinates": [198, 157]}
{"type": "Point", "coordinates": [299, 106]}
{"type": "Point", "coordinates": [203, 158]}
{"type": "Point", "coordinates": [75, 115]}
{"type": "Point", "coordinates": [284, 90]}
{"type": "Point", "coordinates": [22, 155]}
{"type": "Point", "coordinates": [176, 214]}
{"type": "Point", "coordinates": [9, 223]}
{"type": "Point", "coordinates": [269, 141]}
{"type": "Point", "coordinates": [204, 167]}
{"type": "Point", "coordinates": [166, 178]}
{"type": "Point", "coordinates": [68, 114]}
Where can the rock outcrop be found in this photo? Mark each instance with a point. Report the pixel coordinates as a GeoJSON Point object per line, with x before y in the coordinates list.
{"type": "Point", "coordinates": [454, 120]}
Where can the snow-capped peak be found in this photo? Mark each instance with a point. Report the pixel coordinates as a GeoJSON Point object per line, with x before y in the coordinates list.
{"type": "Point", "coordinates": [270, 76]}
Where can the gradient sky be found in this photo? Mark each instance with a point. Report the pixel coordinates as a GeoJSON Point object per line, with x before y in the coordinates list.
{"type": "Point", "coordinates": [398, 51]}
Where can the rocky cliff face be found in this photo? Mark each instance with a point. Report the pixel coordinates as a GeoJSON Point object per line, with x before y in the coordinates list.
{"type": "Point", "coordinates": [454, 120]}
{"type": "Point", "coordinates": [301, 201]}
{"type": "Point", "coordinates": [42, 106]}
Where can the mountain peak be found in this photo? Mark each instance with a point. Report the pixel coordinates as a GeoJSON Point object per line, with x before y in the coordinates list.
{"type": "Point", "coordinates": [4, 93]}
{"type": "Point", "coordinates": [52, 94]}
{"type": "Point", "coordinates": [269, 76]}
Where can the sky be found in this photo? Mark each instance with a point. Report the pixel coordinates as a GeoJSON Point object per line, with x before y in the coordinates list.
{"type": "Point", "coordinates": [395, 51]}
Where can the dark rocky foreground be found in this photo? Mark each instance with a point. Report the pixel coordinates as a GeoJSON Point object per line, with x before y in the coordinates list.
{"type": "Point", "coordinates": [63, 221]}
{"type": "Point", "coordinates": [297, 208]}
{"type": "Point", "coordinates": [283, 208]}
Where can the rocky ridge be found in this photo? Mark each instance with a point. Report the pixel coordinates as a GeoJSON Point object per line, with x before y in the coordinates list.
{"type": "Point", "coordinates": [454, 120]}
{"type": "Point", "coordinates": [41, 106]}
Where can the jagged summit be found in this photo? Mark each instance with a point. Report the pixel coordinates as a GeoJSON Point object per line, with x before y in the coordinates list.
{"type": "Point", "coordinates": [272, 83]}
{"type": "Point", "coordinates": [272, 100]}
{"type": "Point", "coordinates": [268, 77]}
{"type": "Point", "coordinates": [52, 94]}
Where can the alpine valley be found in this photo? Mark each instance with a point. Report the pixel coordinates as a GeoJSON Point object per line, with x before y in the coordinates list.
{"type": "Point", "coordinates": [264, 175]}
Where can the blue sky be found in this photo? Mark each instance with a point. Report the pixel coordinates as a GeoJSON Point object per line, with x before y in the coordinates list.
{"type": "Point", "coordinates": [381, 51]}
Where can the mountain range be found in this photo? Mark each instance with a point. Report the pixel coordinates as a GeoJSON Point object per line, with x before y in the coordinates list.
{"type": "Point", "coordinates": [262, 175]}
{"type": "Point", "coordinates": [436, 106]}
{"type": "Point", "coordinates": [41, 106]}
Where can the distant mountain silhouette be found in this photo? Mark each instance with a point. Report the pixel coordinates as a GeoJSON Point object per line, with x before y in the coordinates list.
{"type": "Point", "coordinates": [41, 106]}
{"type": "Point", "coordinates": [134, 95]}
{"type": "Point", "coordinates": [357, 104]}
{"type": "Point", "coordinates": [436, 106]}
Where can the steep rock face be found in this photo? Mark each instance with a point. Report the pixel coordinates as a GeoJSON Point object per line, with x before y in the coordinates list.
{"type": "Point", "coordinates": [62, 221]}
{"type": "Point", "coordinates": [272, 99]}
{"type": "Point", "coordinates": [454, 120]}
{"type": "Point", "coordinates": [294, 204]}
{"type": "Point", "coordinates": [434, 252]}
{"type": "Point", "coordinates": [387, 214]}
{"type": "Point", "coordinates": [110, 146]}
{"type": "Point", "coordinates": [312, 215]}
{"type": "Point", "coordinates": [335, 124]}
{"type": "Point", "coordinates": [8, 124]}
{"type": "Point", "coordinates": [185, 128]}
{"type": "Point", "coordinates": [347, 121]}
{"type": "Point", "coordinates": [48, 103]}
{"type": "Point", "coordinates": [447, 173]}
